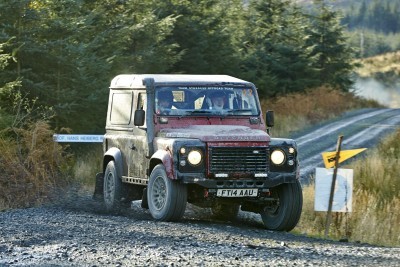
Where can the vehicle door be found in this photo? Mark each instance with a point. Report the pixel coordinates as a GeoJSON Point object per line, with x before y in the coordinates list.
{"type": "Point", "coordinates": [137, 144]}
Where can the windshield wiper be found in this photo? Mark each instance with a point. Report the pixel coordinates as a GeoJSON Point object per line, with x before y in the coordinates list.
{"type": "Point", "coordinates": [223, 112]}
{"type": "Point", "coordinates": [238, 110]}
{"type": "Point", "coordinates": [199, 111]}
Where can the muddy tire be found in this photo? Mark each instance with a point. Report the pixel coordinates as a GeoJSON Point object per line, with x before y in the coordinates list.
{"type": "Point", "coordinates": [112, 188]}
{"type": "Point", "coordinates": [225, 211]}
{"type": "Point", "coordinates": [285, 215]}
{"type": "Point", "coordinates": [166, 198]}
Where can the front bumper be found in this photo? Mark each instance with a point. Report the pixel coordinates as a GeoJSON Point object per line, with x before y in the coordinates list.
{"type": "Point", "coordinates": [273, 179]}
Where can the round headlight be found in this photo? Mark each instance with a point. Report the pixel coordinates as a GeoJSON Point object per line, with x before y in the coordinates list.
{"type": "Point", "coordinates": [194, 157]}
{"type": "Point", "coordinates": [278, 157]}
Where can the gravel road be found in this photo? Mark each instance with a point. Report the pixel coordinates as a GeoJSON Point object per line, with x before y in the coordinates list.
{"type": "Point", "coordinates": [75, 231]}
{"type": "Point", "coordinates": [80, 234]}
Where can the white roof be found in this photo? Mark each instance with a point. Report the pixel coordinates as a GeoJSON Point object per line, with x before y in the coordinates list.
{"type": "Point", "coordinates": [136, 80]}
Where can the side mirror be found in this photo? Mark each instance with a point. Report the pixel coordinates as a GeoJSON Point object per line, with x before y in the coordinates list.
{"type": "Point", "coordinates": [269, 118]}
{"type": "Point", "coordinates": [139, 118]}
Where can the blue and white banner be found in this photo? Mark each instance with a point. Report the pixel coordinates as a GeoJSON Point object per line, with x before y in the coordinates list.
{"type": "Point", "coordinates": [78, 138]}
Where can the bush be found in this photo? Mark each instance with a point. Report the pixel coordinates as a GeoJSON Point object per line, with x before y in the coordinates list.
{"type": "Point", "coordinates": [32, 166]}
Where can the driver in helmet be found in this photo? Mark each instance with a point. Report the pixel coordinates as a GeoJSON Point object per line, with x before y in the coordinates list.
{"type": "Point", "coordinates": [218, 100]}
{"type": "Point", "coordinates": [164, 102]}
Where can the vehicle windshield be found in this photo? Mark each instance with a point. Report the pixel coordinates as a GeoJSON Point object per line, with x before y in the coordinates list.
{"type": "Point", "coordinates": [207, 100]}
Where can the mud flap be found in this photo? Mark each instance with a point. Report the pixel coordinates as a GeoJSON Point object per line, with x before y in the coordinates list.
{"type": "Point", "coordinates": [98, 188]}
{"type": "Point", "coordinates": [145, 204]}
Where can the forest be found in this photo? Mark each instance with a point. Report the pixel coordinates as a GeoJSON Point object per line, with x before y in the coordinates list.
{"type": "Point", "coordinates": [380, 16]}
{"type": "Point", "coordinates": [58, 57]}
{"type": "Point", "coordinates": [373, 25]}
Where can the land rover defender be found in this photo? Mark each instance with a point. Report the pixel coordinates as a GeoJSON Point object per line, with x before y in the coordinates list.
{"type": "Point", "coordinates": [202, 139]}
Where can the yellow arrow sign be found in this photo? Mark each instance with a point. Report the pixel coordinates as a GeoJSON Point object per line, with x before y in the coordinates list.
{"type": "Point", "coordinates": [329, 157]}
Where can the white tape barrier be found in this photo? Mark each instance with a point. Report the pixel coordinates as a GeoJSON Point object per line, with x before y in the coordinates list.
{"type": "Point", "coordinates": [78, 138]}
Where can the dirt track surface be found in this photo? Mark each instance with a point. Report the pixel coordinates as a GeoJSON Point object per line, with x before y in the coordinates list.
{"type": "Point", "coordinates": [75, 231]}
{"type": "Point", "coordinates": [360, 129]}
{"type": "Point", "coordinates": [80, 234]}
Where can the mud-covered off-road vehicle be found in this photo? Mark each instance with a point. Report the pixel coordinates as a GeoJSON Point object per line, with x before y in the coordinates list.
{"type": "Point", "coordinates": [202, 139]}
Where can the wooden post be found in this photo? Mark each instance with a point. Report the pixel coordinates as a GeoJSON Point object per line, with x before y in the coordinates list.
{"type": "Point", "coordinates": [335, 170]}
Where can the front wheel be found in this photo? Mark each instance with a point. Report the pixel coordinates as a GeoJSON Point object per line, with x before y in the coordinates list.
{"type": "Point", "coordinates": [285, 213]}
{"type": "Point", "coordinates": [166, 198]}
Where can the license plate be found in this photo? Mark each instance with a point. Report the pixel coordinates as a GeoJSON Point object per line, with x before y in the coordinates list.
{"type": "Point", "coordinates": [237, 192]}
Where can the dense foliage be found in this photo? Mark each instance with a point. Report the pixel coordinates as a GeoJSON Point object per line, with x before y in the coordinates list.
{"type": "Point", "coordinates": [30, 162]}
{"type": "Point", "coordinates": [64, 53]}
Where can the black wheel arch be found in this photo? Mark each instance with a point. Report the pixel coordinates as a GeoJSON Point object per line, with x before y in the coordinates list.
{"type": "Point", "coordinates": [153, 163]}
{"type": "Point", "coordinates": [115, 155]}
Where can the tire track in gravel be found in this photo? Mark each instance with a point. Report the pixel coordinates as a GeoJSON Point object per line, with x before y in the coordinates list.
{"type": "Point", "coordinates": [361, 128]}
{"type": "Point", "coordinates": [80, 234]}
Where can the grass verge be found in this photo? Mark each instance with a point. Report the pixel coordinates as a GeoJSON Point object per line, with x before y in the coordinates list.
{"type": "Point", "coordinates": [376, 200]}
{"type": "Point", "coordinates": [300, 110]}
{"type": "Point", "coordinates": [88, 162]}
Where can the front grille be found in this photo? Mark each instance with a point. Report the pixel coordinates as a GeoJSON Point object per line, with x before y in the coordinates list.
{"type": "Point", "coordinates": [238, 159]}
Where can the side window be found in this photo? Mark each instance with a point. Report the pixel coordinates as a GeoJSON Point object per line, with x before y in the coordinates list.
{"type": "Point", "coordinates": [142, 104]}
{"type": "Point", "coordinates": [121, 108]}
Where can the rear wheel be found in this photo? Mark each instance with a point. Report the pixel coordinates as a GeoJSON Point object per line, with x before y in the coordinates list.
{"type": "Point", "coordinates": [112, 188]}
{"type": "Point", "coordinates": [166, 198]}
{"type": "Point", "coordinates": [285, 214]}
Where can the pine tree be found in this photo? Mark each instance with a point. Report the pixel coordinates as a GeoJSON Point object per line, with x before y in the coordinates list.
{"type": "Point", "coordinates": [331, 55]}
{"type": "Point", "coordinates": [275, 57]}
{"type": "Point", "coordinates": [6, 90]}
{"type": "Point", "coordinates": [68, 51]}
{"type": "Point", "coordinates": [46, 55]}
{"type": "Point", "coordinates": [203, 34]}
